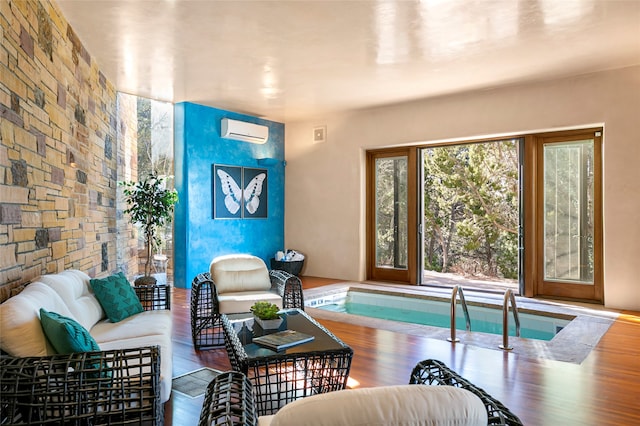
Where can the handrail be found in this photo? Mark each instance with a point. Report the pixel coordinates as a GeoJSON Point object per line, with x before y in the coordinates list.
{"type": "Point", "coordinates": [465, 310]}
{"type": "Point", "coordinates": [509, 297]}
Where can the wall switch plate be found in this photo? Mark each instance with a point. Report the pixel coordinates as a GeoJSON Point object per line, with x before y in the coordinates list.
{"type": "Point", "coordinates": [320, 134]}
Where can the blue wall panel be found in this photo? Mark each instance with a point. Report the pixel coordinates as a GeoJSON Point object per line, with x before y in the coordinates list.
{"type": "Point", "coordinates": [199, 238]}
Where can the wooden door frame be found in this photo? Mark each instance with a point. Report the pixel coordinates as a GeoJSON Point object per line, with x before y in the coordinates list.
{"type": "Point", "coordinates": [533, 268]}
{"type": "Point", "coordinates": [533, 220]}
{"type": "Point", "coordinates": [410, 275]}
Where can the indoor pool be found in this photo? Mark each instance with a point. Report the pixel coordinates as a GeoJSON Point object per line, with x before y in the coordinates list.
{"type": "Point", "coordinates": [436, 312]}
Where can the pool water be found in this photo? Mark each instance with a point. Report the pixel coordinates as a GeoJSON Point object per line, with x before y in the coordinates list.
{"type": "Point", "coordinates": [436, 313]}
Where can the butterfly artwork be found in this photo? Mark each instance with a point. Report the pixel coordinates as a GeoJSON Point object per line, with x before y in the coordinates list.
{"type": "Point", "coordinates": [232, 199]}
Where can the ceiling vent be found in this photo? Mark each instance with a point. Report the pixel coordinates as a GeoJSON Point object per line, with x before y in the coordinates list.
{"type": "Point", "coordinates": [243, 131]}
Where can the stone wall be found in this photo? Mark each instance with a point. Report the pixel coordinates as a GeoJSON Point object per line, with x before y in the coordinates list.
{"type": "Point", "coordinates": [59, 157]}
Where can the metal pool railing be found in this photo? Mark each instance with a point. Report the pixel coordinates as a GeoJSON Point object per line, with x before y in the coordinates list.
{"type": "Point", "coordinates": [465, 310]}
{"type": "Point", "coordinates": [509, 297]}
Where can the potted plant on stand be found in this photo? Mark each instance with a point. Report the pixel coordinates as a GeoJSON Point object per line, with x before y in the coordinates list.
{"type": "Point", "coordinates": [150, 205]}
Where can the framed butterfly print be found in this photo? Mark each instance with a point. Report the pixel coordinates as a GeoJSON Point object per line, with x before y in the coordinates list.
{"type": "Point", "coordinates": [227, 195]}
{"type": "Point", "coordinates": [239, 192]}
{"type": "Point", "coordinates": [254, 193]}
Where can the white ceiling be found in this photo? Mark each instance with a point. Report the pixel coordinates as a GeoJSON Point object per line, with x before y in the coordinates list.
{"type": "Point", "coordinates": [291, 60]}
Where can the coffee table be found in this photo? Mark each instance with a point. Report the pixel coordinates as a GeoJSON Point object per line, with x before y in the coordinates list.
{"type": "Point", "coordinates": [278, 378]}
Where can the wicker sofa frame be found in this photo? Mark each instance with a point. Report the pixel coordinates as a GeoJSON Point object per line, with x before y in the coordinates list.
{"type": "Point", "coordinates": [206, 328]}
{"type": "Point", "coordinates": [113, 387]}
{"type": "Point", "coordinates": [229, 399]}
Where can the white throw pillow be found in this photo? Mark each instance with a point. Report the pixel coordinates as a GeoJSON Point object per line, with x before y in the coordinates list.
{"type": "Point", "coordinates": [73, 288]}
{"type": "Point", "coordinates": [20, 330]}
{"type": "Point", "coordinates": [406, 405]}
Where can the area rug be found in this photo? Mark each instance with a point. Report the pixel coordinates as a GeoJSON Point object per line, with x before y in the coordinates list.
{"type": "Point", "coordinates": [194, 384]}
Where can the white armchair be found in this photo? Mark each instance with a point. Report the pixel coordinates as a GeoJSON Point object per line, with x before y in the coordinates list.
{"type": "Point", "coordinates": [234, 283]}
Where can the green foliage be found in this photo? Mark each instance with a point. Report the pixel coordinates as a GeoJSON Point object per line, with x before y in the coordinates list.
{"type": "Point", "coordinates": [150, 205]}
{"type": "Point", "coordinates": [265, 310]}
{"type": "Point", "coordinates": [508, 261]}
{"type": "Point", "coordinates": [145, 129]}
{"type": "Point", "coordinates": [152, 139]}
{"type": "Point", "coordinates": [391, 212]}
{"type": "Point", "coordinates": [471, 208]}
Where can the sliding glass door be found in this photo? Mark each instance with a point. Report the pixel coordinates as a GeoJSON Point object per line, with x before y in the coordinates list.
{"type": "Point", "coordinates": [391, 218]}
{"type": "Point", "coordinates": [522, 213]}
{"type": "Point", "coordinates": [569, 216]}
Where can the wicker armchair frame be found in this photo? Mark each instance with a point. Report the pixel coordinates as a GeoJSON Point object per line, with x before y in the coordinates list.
{"type": "Point", "coordinates": [206, 328]}
{"type": "Point", "coordinates": [117, 387]}
{"type": "Point", "coordinates": [236, 405]}
{"type": "Point", "coordinates": [432, 372]}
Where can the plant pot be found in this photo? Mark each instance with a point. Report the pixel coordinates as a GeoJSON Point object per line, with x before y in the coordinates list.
{"type": "Point", "coordinates": [268, 324]}
{"type": "Point", "coordinates": [145, 280]}
{"type": "Point", "coordinates": [291, 266]}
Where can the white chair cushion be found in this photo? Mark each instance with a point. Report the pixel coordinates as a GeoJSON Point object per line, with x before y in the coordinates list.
{"type": "Point", "coordinates": [230, 303]}
{"type": "Point", "coordinates": [387, 405]}
{"type": "Point", "coordinates": [239, 272]}
{"type": "Point", "coordinates": [21, 334]}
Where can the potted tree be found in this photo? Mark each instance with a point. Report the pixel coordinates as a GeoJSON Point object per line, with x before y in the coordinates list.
{"type": "Point", "coordinates": [150, 205]}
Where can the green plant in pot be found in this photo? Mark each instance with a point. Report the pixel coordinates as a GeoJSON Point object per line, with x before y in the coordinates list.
{"type": "Point", "coordinates": [266, 314]}
{"type": "Point", "coordinates": [150, 205]}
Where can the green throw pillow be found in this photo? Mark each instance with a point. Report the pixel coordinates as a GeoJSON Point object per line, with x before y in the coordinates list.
{"type": "Point", "coordinates": [65, 334]}
{"type": "Point", "coordinates": [68, 337]}
{"type": "Point", "coordinates": [116, 296]}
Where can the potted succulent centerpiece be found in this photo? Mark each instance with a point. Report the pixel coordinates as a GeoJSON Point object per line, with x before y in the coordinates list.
{"type": "Point", "coordinates": [150, 205]}
{"type": "Point", "coordinates": [266, 314]}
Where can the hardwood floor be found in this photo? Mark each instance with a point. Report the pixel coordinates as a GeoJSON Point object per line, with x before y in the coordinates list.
{"type": "Point", "coordinates": [603, 390]}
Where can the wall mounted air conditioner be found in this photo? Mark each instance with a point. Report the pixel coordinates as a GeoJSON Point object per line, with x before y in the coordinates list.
{"type": "Point", "coordinates": [243, 131]}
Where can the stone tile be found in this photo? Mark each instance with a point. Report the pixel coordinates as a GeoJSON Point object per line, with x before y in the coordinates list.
{"type": "Point", "coordinates": [10, 214]}
{"type": "Point", "coordinates": [26, 42]}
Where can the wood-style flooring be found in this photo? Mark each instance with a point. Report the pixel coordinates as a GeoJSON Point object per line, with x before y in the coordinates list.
{"type": "Point", "coordinates": [603, 390]}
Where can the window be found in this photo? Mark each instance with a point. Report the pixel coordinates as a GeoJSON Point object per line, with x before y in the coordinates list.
{"type": "Point", "coordinates": [145, 141]}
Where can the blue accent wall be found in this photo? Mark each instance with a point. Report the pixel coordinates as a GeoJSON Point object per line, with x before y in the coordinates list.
{"type": "Point", "coordinates": [198, 145]}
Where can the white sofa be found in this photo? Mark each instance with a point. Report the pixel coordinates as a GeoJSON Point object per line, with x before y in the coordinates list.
{"type": "Point", "coordinates": [70, 294]}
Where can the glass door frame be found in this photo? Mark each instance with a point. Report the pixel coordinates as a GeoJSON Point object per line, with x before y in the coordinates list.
{"type": "Point", "coordinates": [534, 247]}
{"type": "Point", "coordinates": [410, 274]}
{"type": "Point", "coordinates": [531, 219]}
